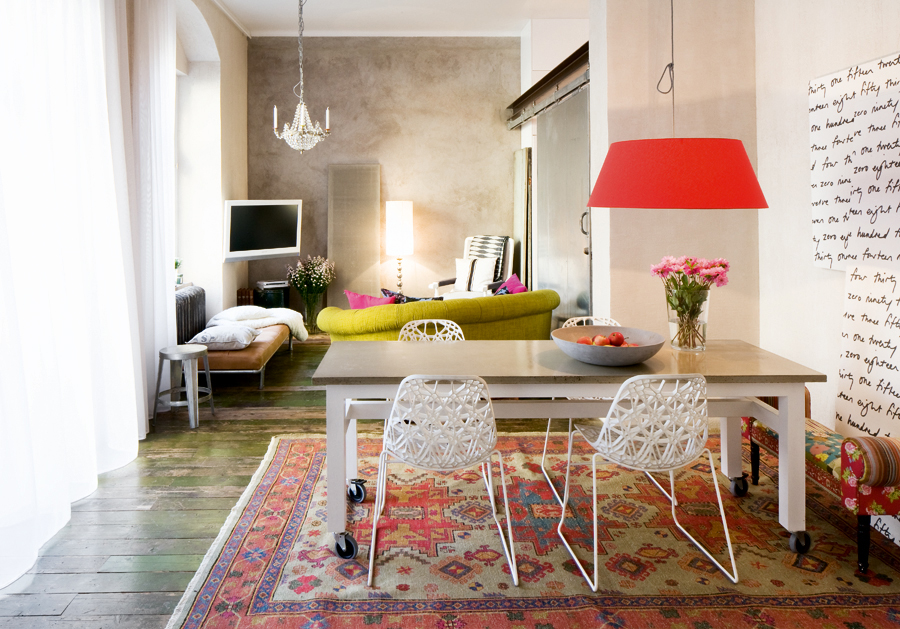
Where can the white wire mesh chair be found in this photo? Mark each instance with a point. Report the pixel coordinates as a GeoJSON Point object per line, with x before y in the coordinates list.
{"type": "Point", "coordinates": [655, 424]}
{"type": "Point", "coordinates": [431, 330]}
{"type": "Point", "coordinates": [571, 322]}
{"type": "Point", "coordinates": [591, 320]}
{"type": "Point", "coordinates": [443, 424]}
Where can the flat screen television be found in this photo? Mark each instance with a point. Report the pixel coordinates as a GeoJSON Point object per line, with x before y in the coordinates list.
{"type": "Point", "coordinates": [256, 230]}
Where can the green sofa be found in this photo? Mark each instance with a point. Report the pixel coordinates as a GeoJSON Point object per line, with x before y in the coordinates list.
{"type": "Point", "coordinates": [524, 316]}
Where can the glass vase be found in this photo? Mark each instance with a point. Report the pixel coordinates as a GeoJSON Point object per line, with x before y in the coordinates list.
{"type": "Point", "coordinates": [688, 315]}
{"type": "Point", "coordinates": [312, 304]}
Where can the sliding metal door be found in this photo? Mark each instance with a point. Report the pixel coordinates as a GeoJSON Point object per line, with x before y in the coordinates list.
{"type": "Point", "coordinates": [561, 221]}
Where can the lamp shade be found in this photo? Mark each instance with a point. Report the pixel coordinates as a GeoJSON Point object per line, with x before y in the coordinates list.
{"type": "Point", "coordinates": [685, 173]}
{"type": "Point", "coordinates": [398, 238]}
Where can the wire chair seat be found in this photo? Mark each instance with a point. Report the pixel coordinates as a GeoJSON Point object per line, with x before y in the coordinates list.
{"type": "Point", "coordinates": [655, 424]}
{"type": "Point", "coordinates": [589, 320]}
{"type": "Point", "coordinates": [431, 330]}
{"type": "Point", "coordinates": [443, 424]}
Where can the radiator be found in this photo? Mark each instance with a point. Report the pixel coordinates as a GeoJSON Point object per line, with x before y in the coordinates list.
{"type": "Point", "coordinates": [190, 312]}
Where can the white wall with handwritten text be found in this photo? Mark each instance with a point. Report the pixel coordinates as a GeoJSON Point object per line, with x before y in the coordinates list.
{"type": "Point", "coordinates": [854, 131]}
{"type": "Point", "coordinates": [868, 402]}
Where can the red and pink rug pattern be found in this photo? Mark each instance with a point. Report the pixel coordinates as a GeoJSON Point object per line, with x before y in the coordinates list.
{"type": "Point", "coordinates": [439, 562]}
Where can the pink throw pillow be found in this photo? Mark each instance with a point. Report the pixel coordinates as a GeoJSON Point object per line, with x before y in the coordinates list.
{"type": "Point", "coordinates": [358, 302]}
{"type": "Point", "coordinates": [513, 285]}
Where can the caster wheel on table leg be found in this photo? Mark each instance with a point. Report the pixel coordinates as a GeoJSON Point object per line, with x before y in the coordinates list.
{"type": "Point", "coordinates": [345, 546]}
{"type": "Point", "coordinates": [739, 486]}
{"type": "Point", "coordinates": [356, 491]}
{"type": "Point", "coordinates": [800, 542]}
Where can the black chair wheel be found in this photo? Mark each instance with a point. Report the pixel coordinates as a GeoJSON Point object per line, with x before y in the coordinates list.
{"type": "Point", "coordinates": [356, 491]}
{"type": "Point", "coordinates": [739, 486]}
{"type": "Point", "coordinates": [349, 549]}
{"type": "Point", "coordinates": [800, 542]}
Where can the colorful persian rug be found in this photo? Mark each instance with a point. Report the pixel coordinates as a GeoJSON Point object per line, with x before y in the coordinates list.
{"type": "Point", "coordinates": [440, 564]}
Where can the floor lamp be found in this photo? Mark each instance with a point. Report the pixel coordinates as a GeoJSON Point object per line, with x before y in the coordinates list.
{"type": "Point", "coordinates": [398, 240]}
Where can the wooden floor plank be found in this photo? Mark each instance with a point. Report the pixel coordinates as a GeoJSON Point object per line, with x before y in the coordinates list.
{"type": "Point", "coordinates": [152, 563]}
{"type": "Point", "coordinates": [87, 622]}
{"type": "Point", "coordinates": [100, 582]}
{"type": "Point", "coordinates": [34, 604]}
{"type": "Point", "coordinates": [69, 564]}
{"type": "Point", "coordinates": [70, 547]}
{"type": "Point", "coordinates": [114, 504]}
{"type": "Point", "coordinates": [186, 530]}
{"type": "Point", "coordinates": [143, 603]}
{"type": "Point", "coordinates": [145, 517]}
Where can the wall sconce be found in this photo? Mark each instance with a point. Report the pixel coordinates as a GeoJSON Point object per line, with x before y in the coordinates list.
{"type": "Point", "coordinates": [398, 240]}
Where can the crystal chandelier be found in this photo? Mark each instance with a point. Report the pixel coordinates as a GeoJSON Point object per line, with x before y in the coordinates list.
{"type": "Point", "coordinates": [301, 135]}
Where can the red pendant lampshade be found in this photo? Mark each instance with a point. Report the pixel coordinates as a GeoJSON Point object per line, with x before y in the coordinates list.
{"type": "Point", "coordinates": [684, 173]}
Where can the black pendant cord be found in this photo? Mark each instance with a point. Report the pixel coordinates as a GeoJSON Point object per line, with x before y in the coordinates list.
{"type": "Point", "coordinates": [670, 68]}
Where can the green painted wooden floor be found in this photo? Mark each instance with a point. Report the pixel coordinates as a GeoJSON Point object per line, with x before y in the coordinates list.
{"type": "Point", "coordinates": [132, 546]}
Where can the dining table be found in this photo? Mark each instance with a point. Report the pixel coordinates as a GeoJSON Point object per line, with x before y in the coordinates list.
{"type": "Point", "coordinates": [536, 379]}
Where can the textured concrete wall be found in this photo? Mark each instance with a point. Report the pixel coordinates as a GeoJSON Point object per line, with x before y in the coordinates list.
{"type": "Point", "coordinates": [431, 111]}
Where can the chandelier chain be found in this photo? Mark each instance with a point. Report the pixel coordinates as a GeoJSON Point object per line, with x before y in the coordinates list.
{"type": "Point", "coordinates": [300, 4]}
{"type": "Point", "coordinates": [302, 134]}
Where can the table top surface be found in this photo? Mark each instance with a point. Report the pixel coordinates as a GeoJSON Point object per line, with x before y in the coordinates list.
{"type": "Point", "coordinates": [539, 362]}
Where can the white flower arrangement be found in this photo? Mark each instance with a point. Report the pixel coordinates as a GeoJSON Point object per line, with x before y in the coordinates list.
{"type": "Point", "coordinates": [311, 277]}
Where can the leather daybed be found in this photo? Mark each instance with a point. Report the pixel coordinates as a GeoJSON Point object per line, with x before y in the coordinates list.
{"type": "Point", "coordinates": [253, 358]}
{"type": "Point", "coordinates": [190, 306]}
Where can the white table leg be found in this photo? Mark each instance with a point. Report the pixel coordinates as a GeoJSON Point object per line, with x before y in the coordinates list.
{"type": "Point", "coordinates": [792, 461]}
{"type": "Point", "coordinates": [336, 479]}
{"type": "Point", "coordinates": [730, 452]}
{"type": "Point", "coordinates": [351, 452]}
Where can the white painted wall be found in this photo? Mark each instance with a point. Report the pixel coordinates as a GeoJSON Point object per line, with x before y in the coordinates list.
{"type": "Point", "coordinates": [212, 146]}
{"type": "Point", "coordinates": [181, 60]}
{"type": "Point", "coordinates": [714, 97]}
{"type": "Point", "coordinates": [600, 261]}
{"type": "Point", "coordinates": [199, 180]}
{"type": "Point", "coordinates": [797, 41]}
{"type": "Point", "coordinates": [554, 40]}
{"type": "Point", "coordinates": [546, 43]}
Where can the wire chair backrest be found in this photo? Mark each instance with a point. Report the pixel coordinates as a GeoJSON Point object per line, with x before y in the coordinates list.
{"type": "Point", "coordinates": [441, 423]}
{"type": "Point", "coordinates": [656, 423]}
{"type": "Point", "coordinates": [573, 321]}
{"type": "Point", "coordinates": [431, 330]}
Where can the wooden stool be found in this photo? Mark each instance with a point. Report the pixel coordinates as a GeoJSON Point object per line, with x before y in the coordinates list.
{"type": "Point", "coordinates": [185, 357]}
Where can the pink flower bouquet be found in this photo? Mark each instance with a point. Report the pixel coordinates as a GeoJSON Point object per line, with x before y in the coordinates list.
{"type": "Point", "coordinates": [687, 282]}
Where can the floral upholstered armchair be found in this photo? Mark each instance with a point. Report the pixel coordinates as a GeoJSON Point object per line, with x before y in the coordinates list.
{"type": "Point", "coordinates": [864, 472]}
{"type": "Point", "coordinates": [870, 484]}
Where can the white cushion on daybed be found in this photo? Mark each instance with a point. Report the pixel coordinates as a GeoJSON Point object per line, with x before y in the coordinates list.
{"type": "Point", "coordinates": [226, 337]}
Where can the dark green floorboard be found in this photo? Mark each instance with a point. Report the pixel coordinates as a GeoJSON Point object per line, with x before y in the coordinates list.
{"type": "Point", "coordinates": [132, 546]}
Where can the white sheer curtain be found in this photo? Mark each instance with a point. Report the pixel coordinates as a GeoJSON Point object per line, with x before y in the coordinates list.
{"type": "Point", "coordinates": [153, 216]}
{"type": "Point", "coordinates": [72, 387]}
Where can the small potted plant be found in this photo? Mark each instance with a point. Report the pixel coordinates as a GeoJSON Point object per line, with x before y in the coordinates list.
{"type": "Point", "coordinates": [179, 277]}
{"type": "Point", "coordinates": [311, 278]}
